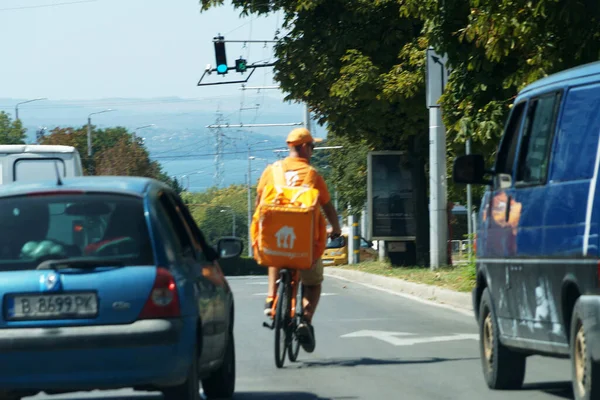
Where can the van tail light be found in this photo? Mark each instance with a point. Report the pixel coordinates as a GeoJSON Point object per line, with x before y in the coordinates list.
{"type": "Point", "coordinates": [163, 301]}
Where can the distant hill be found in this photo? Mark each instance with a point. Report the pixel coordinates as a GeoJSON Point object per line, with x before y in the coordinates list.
{"type": "Point", "coordinates": [180, 136]}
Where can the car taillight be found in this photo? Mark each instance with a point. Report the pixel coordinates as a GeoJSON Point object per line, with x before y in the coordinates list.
{"type": "Point", "coordinates": [163, 301]}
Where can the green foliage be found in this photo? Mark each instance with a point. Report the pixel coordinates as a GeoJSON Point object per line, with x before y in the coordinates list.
{"type": "Point", "coordinates": [495, 48]}
{"type": "Point", "coordinates": [11, 132]}
{"type": "Point", "coordinates": [115, 152]}
{"type": "Point", "coordinates": [214, 208]}
{"type": "Point", "coordinates": [177, 186]}
{"type": "Point", "coordinates": [356, 63]}
{"type": "Point", "coordinates": [470, 271]}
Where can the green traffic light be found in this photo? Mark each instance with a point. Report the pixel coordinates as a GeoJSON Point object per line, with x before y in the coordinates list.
{"type": "Point", "coordinates": [240, 65]}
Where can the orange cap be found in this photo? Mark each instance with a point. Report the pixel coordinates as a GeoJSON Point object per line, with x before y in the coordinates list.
{"type": "Point", "coordinates": [300, 136]}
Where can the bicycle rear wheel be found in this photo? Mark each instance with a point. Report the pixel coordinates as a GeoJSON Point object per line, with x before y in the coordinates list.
{"type": "Point", "coordinates": [294, 345]}
{"type": "Point", "coordinates": [281, 311]}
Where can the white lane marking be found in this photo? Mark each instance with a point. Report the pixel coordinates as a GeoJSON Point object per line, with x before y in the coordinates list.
{"type": "Point", "coordinates": [408, 296]}
{"type": "Point", "coordinates": [322, 294]}
{"type": "Point", "coordinates": [363, 319]}
{"type": "Point", "coordinates": [245, 277]}
{"type": "Point", "coordinates": [257, 283]}
{"type": "Point", "coordinates": [393, 339]}
{"type": "Point", "coordinates": [590, 203]}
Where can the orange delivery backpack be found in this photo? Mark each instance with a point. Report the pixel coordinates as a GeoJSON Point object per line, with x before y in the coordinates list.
{"type": "Point", "coordinates": [288, 229]}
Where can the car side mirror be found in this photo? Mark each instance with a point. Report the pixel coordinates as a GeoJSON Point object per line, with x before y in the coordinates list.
{"type": "Point", "coordinates": [230, 247]}
{"type": "Point", "coordinates": [470, 169]}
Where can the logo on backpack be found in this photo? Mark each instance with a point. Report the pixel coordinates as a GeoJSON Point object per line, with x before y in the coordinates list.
{"type": "Point", "coordinates": [286, 237]}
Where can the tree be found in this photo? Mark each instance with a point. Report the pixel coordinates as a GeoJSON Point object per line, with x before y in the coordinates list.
{"type": "Point", "coordinates": [114, 152]}
{"type": "Point", "coordinates": [177, 186]}
{"type": "Point", "coordinates": [495, 48]}
{"type": "Point", "coordinates": [359, 66]}
{"type": "Point", "coordinates": [11, 132]}
{"type": "Point", "coordinates": [206, 208]}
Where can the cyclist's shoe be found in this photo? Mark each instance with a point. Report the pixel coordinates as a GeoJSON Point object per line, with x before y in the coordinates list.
{"type": "Point", "coordinates": [268, 307]}
{"type": "Point", "coordinates": [306, 336]}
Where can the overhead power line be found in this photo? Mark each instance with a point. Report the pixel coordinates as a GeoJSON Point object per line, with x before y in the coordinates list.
{"type": "Point", "coordinates": [48, 5]}
{"type": "Point", "coordinates": [212, 154]}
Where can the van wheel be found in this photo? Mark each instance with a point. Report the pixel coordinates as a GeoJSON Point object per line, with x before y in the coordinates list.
{"type": "Point", "coordinates": [502, 367]}
{"type": "Point", "coordinates": [221, 383]}
{"type": "Point", "coordinates": [585, 372]}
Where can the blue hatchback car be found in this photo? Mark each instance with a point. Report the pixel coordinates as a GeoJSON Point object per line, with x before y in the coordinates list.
{"type": "Point", "coordinates": [106, 283]}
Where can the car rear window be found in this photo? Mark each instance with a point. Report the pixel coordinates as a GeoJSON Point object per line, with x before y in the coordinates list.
{"type": "Point", "coordinates": [62, 226]}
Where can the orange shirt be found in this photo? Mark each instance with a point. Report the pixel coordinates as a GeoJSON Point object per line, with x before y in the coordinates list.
{"type": "Point", "coordinates": [296, 170]}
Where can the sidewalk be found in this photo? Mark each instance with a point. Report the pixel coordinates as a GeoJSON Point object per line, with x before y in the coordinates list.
{"type": "Point", "coordinates": [461, 301]}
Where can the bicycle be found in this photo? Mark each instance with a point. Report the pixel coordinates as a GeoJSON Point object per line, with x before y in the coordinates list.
{"type": "Point", "coordinates": [287, 314]}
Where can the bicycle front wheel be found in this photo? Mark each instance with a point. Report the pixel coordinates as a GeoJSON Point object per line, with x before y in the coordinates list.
{"type": "Point", "coordinates": [281, 311]}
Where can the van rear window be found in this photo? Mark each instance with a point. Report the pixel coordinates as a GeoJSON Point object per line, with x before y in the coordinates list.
{"type": "Point", "coordinates": [35, 169]}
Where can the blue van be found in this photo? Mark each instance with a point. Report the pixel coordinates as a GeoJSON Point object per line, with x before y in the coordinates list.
{"type": "Point", "coordinates": [538, 263]}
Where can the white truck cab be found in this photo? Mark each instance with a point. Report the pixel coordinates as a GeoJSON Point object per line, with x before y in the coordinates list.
{"type": "Point", "coordinates": [33, 162]}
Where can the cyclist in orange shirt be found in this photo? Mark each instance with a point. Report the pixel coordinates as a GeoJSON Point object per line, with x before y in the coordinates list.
{"type": "Point", "coordinates": [301, 145]}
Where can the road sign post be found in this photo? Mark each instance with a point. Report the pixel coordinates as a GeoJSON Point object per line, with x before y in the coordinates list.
{"type": "Point", "coordinates": [437, 76]}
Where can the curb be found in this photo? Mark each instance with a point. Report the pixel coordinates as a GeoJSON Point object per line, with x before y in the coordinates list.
{"type": "Point", "coordinates": [420, 290]}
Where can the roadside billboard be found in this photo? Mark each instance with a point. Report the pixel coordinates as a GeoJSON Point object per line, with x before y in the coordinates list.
{"type": "Point", "coordinates": [391, 207]}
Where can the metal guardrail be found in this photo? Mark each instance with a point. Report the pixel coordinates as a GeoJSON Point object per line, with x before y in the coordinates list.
{"type": "Point", "coordinates": [460, 248]}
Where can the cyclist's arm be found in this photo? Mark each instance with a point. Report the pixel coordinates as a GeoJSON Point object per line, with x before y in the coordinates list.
{"type": "Point", "coordinates": [332, 217]}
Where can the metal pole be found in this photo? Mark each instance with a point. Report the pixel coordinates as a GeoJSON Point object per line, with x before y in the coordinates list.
{"type": "Point", "coordinates": [17, 112]}
{"type": "Point", "coordinates": [438, 218]}
{"type": "Point", "coordinates": [356, 240]}
{"type": "Point", "coordinates": [249, 205]}
{"type": "Point", "coordinates": [233, 212]}
{"type": "Point", "coordinates": [469, 207]}
{"type": "Point", "coordinates": [89, 136]}
{"type": "Point", "coordinates": [306, 117]}
{"type": "Point", "coordinates": [336, 201]}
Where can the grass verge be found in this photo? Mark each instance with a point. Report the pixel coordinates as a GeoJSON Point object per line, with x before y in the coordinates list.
{"type": "Point", "coordinates": [460, 278]}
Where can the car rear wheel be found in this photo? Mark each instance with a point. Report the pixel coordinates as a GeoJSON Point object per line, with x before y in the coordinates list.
{"type": "Point", "coordinates": [190, 389]}
{"type": "Point", "coordinates": [221, 383]}
{"type": "Point", "coordinates": [502, 367]}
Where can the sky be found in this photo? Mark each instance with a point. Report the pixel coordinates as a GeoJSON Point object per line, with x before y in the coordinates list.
{"type": "Point", "coordinates": [142, 58]}
{"type": "Point", "coordinates": [96, 49]}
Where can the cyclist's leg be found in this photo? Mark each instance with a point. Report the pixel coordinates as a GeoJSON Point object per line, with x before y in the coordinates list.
{"type": "Point", "coordinates": [273, 275]}
{"type": "Point", "coordinates": [312, 280]}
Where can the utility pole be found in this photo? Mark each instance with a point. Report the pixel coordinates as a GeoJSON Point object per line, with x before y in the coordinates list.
{"type": "Point", "coordinates": [218, 178]}
{"type": "Point", "coordinates": [307, 117]}
{"type": "Point", "coordinates": [469, 208]}
{"type": "Point", "coordinates": [248, 176]}
{"type": "Point", "coordinates": [25, 102]}
{"type": "Point", "coordinates": [250, 252]}
{"type": "Point", "coordinates": [89, 135]}
{"type": "Point", "coordinates": [438, 217]}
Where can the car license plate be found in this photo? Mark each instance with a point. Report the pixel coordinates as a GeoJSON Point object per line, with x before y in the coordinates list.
{"type": "Point", "coordinates": [52, 306]}
{"type": "Point", "coordinates": [327, 261]}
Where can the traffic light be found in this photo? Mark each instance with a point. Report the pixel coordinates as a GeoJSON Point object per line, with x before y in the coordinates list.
{"type": "Point", "coordinates": [240, 65]}
{"type": "Point", "coordinates": [220, 55]}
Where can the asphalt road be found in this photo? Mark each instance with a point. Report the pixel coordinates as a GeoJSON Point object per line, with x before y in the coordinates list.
{"type": "Point", "coordinates": [429, 352]}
